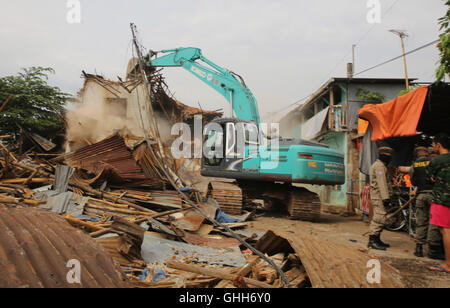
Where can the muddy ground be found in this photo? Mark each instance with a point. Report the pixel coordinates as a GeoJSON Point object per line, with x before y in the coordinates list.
{"type": "Point", "coordinates": [351, 231]}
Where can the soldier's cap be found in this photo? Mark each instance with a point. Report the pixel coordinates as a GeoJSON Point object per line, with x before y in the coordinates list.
{"type": "Point", "coordinates": [386, 151]}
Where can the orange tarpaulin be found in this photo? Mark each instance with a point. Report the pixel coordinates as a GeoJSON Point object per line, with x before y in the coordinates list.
{"type": "Point", "coordinates": [397, 118]}
{"type": "Point", "coordinates": [363, 125]}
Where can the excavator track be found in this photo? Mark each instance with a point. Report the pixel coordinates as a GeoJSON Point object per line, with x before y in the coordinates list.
{"type": "Point", "coordinates": [303, 204]}
{"type": "Point", "coordinates": [227, 195]}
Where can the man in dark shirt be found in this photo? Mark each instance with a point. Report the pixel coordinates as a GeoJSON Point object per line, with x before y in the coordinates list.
{"type": "Point", "coordinates": [439, 174]}
{"type": "Point", "coordinates": [425, 232]}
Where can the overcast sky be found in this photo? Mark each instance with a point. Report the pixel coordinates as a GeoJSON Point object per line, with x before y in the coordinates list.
{"type": "Point", "coordinates": [284, 49]}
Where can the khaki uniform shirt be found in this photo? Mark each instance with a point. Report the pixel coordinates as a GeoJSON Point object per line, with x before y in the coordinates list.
{"type": "Point", "coordinates": [380, 186]}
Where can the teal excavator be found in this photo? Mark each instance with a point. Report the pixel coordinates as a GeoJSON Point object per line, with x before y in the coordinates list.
{"type": "Point", "coordinates": [265, 168]}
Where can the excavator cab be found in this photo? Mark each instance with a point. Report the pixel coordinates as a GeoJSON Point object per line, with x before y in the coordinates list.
{"type": "Point", "coordinates": [227, 145]}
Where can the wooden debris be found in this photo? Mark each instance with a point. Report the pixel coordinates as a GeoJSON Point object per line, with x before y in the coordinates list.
{"type": "Point", "coordinates": [215, 273]}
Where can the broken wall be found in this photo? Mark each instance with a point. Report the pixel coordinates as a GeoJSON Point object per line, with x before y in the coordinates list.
{"type": "Point", "coordinates": [104, 108]}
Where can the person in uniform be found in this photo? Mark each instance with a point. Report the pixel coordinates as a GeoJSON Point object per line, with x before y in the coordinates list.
{"type": "Point", "coordinates": [438, 172]}
{"type": "Point", "coordinates": [425, 233]}
{"type": "Point", "coordinates": [380, 195]}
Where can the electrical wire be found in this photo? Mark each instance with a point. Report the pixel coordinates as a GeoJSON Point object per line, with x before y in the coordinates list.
{"type": "Point", "coordinates": [396, 58]}
{"type": "Point", "coordinates": [338, 63]}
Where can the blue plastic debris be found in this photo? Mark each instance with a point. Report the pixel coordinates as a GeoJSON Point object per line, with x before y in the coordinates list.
{"type": "Point", "coordinates": [223, 218]}
{"type": "Point", "coordinates": [158, 275]}
{"type": "Point", "coordinates": [144, 274]}
{"type": "Point", "coordinates": [185, 189]}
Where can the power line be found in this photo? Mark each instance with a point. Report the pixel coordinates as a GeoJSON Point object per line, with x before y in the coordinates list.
{"type": "Point", "coordinates": [342, 60]}
{"type": "Point", "coordinates": [361, 39]}
{"type": "Point", "coordinates": [396, 58]}
{"type": "Point", "coordinates": [273, 114]}
{"type": "Point", "coordinates": [374, 25]}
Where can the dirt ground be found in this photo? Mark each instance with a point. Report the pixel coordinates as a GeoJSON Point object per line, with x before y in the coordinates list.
{"type": "Point", "coordinates": [352, 231]}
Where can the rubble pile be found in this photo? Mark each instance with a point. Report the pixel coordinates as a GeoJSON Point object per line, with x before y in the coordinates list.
{"type": "Point", "coordinates": [158, 239]}
{"type": "Point", "coordinates": [126, 192]}
{"type": "Point", "coordinates": [122, 187]}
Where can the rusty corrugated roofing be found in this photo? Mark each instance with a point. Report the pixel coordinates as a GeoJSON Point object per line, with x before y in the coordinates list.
{"type": "Point", "coordinates": [109, 154]}
{"type": "Point", "coordinates": [36, 246]}
{"type": "Point", "coordinates": [330, 265]}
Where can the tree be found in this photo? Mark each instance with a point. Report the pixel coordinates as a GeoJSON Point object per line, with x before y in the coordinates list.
{"type": "Point", "coordinates": [444, 45]}
{"type": "Point", "coordinates": [406, 91]}
{"type": "Point", "coordinates": [36, 106]}
{"type": "Point", "coordinates": [373, 97]}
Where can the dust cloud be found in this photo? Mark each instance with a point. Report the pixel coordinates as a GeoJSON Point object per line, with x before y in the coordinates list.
{"type": "Point", "coordinates": [94, 118]}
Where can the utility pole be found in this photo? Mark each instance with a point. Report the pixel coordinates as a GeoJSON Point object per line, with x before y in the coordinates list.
{"type": "Point", "coordinates": [402, 34]}
{"type": "Point", "coordinates": [353, 58]}
{"type": "Point", "coordinates": [351, 66]}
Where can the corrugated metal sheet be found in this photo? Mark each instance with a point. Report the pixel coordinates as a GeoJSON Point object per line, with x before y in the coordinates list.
{"type": "Point", "coordinates": [191, 220]}
{"type": "Point", "coordinates": [157, 250]}
{"type": "Point", "coordinates": [35, 247]}
{"type": "Point", "coordinates": [330, 265]}
{"type": "Point", "coordinates": [110, 154]}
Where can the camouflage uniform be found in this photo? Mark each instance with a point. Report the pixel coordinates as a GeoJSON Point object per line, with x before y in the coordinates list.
{"type": "Point", "coordinates": [380, 189]}
{"type": "Point", "coordinates": [439, 170]}
{"type": "Point", "coordinates": [425, 233]}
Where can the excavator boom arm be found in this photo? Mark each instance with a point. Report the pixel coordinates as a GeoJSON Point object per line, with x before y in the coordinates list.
{"type": "Point", "coordinates": [223, 81]}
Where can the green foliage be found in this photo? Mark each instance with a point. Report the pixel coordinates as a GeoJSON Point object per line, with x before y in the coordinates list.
{"type": "Point", "coordinates": [444, 45]}
{"type": "Point", "coordinates": [370, 96]}
{"type": "Point", "coordinates": [35, 104]}
{"type": "Point", "coordinates": [405, 91]}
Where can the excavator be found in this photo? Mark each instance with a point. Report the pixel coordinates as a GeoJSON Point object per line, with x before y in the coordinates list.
{"type": "Point", "coordinates": [265, 168]}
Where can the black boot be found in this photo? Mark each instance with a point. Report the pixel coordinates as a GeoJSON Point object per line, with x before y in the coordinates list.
{"type": "Point", "coordinates": [374, 243]}
{"type": "Point", "coordinates": [436, 252]}
{"type": "Point", "coordinates": [419, 251]}
{"type": "Point", "coordinates": [381, 243]}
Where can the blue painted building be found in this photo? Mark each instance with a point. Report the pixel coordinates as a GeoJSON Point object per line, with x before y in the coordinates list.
{"type": "Point", "coordinates": [330, 116]}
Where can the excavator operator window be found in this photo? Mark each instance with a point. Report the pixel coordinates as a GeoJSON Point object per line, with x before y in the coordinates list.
{"type": "Point", "coordinates": [231, 141]}
{"type": "Point", "coordinates": [246, 136]}
{"type": "Point", "coordinates": [251, 134]}
{"type": "Point", "coordinates": [214, 148]}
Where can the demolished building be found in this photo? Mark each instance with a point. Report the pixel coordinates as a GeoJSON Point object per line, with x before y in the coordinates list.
{"type": "Point", "coordinates": [118, 183]}
{"type": "Point", "coordinates": [106, 106]}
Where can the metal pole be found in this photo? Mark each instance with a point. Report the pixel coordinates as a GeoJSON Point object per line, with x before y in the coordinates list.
{"type": "Point", "coordinates": [402, 34]}
{"type": "Point", "coordinates": [404, 61]}
{"type": "Point", "coordinates": [353, 58]}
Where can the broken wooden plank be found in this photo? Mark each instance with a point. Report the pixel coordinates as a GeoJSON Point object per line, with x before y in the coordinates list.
{"type": "Point", "coordinates": [25, 180]}
{"type": "Point", "coordinates": [79, 222]}
{"type": "Point", "coordinates": [221, 242]}
{"type": "Point", "coordinates": [122, 225]}
{"type": "Point", "coordinates": [215, 273]}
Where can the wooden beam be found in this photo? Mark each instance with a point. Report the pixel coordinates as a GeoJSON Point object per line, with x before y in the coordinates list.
{"type": "Point", "coordinates": [215, 273]}
{"type": "Point", "coordinates": [88, 225]}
